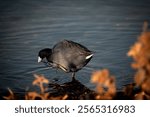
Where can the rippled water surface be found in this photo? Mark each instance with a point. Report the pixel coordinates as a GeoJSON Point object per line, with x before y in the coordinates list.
{"type": "Point", "coordinates": [108, 28]}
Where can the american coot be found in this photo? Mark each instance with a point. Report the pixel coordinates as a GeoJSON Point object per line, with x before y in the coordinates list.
{"type": "Point", "coordinates": [66, 55]}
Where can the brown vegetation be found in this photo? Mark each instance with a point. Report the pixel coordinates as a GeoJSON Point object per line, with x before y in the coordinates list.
{"type": "Point", "coordinates": [140, 52]}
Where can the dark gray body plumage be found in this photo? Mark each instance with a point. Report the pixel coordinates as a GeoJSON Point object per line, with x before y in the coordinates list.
{"type": "Point", "coordinates": [69, 56]}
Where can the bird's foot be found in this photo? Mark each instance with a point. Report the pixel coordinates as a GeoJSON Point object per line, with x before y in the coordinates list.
{"type": "Point", "coordinates": [73, 79]}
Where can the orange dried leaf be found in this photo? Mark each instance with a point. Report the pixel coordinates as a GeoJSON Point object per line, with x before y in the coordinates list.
{"type": "Point", "coordinates": [139, 96]}
{"type": "Point", "coordinates": [32, 96]}
{"type": "Point", "coordinates": [100, 76]}
{"type": "Point", "coordinates": [139, 76]}
{"type": "Point", "coordinates": [135, 49]}
{"type": "Point", "coordinates": [39, 79]}
{"type": "Point", "coordinates": [146, 85]}
{"type": "Point", "coordinates": [65, 97]}
{"type": "Point", "coordinates": [10, 96]}
{"type": "Point", "coordinates": [45, 96]}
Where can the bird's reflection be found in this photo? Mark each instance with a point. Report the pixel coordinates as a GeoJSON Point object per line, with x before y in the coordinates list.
{"type": "Point", "coordinates": [74, 90]}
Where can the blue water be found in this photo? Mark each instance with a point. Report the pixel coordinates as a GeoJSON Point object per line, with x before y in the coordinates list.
{"type": "Point", "coordinates": [108, 28]}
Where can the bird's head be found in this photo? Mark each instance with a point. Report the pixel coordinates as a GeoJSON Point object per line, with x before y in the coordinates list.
{"type": "Point", "coordinates": [44, 54]}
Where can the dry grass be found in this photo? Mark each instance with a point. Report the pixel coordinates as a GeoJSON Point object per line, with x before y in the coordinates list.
{"type": "Point", "coordinates": [105, 83]}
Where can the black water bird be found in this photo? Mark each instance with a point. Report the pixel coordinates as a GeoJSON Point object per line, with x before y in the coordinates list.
{"type": "Point", "coordinates": [67, 55]}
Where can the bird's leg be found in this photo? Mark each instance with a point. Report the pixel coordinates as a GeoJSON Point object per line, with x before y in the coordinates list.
{"type": "Point", "coordinates": [73, 76]}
